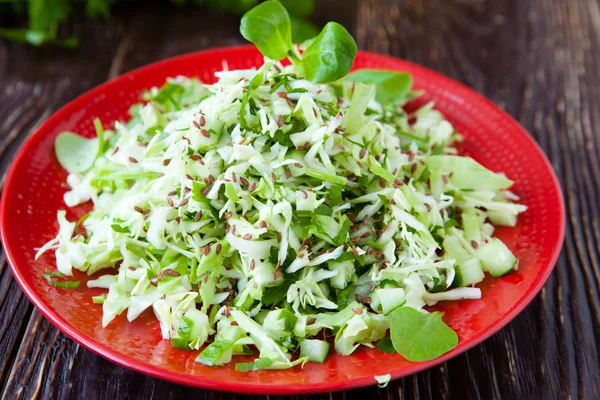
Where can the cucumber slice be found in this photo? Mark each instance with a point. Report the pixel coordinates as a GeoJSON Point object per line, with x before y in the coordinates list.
{"type": "Point", "coordinates": [315, 350]}
{"type": "Point", "coordinates": [497, 259]}
{"type": "Point", "coordinates": [455, 250]}
{"type": "Point", "coordinates": [502, 219]}
{"type": "Point", "coordinates": [472, 227]}
{"type": "Point", "coordinates": [469, 273]}
{"type": "Point", "coordinates": [391, 299]}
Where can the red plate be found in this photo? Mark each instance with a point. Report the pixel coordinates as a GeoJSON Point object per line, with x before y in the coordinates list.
{"type": "Point", "coordinates": [32, 195]}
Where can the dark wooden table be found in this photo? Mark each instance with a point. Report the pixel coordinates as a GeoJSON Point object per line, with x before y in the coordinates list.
{"type": "Point", "coordinates": [538, 59]}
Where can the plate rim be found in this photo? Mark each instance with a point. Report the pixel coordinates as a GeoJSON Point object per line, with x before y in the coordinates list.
{"type": "Point", "coordinates": [249, 387]}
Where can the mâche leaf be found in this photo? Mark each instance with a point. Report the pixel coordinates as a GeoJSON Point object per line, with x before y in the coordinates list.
{"type": "Point", "coordinates": [268, 27]}
{"type": "Point", "coordinates": [330, 56]}
{"type": "Point", "coordinates": [420, 337]}
{"type": "Point", "coordinates": [73, 151]}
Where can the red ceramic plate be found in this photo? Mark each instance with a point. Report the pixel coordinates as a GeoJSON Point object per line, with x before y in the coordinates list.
{"type": "Point", "coordinates": [32, 194]}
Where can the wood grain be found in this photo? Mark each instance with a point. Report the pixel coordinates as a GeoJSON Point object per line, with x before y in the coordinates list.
{"type": "Point", "coordinates": [538, 59]}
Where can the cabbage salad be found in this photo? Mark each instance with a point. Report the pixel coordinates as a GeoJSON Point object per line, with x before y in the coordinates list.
{"type": "Point", "coordinates": [282, 211]}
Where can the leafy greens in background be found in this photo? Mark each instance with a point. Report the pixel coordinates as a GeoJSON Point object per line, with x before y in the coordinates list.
{"type": "Point", "coordinates": [45, 17]}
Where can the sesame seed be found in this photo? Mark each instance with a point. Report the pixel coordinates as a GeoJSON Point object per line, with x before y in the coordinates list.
{"type": "Point", "coordinates": [132, 160]}
{"type": "Point", "coordinates": [247, 236]}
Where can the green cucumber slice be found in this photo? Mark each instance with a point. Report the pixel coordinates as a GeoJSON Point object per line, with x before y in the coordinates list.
{"type": "Point", "coordinates": [497, 259]}
{"type": "Point", "coordinates": [469, 273]}
{"type": "Point", "coordinates": [316, 350]}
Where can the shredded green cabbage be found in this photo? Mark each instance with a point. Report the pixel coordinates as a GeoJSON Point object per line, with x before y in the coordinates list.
{"type": "Point", "coordinates": [262, 209]}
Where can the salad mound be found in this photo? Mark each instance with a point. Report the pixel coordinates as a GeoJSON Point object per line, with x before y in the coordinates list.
{"type": "Point", "coordinates": [273, 212]}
